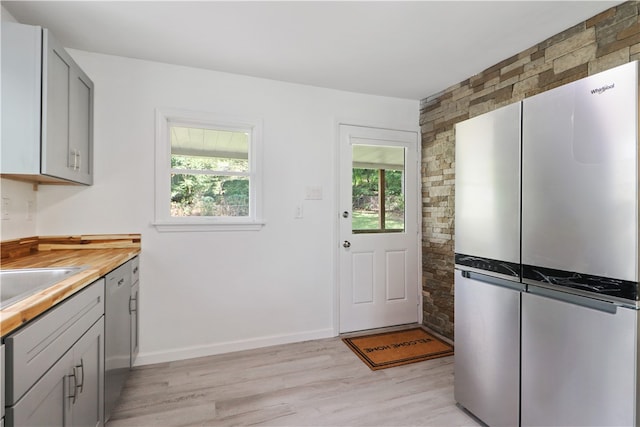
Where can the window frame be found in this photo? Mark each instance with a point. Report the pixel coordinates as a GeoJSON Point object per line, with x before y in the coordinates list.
{"type": "Point", "coordinates": [171, 117]}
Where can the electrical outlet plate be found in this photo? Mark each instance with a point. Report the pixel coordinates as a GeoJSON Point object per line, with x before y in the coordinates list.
{"type": "Point", "coordinates": [5, 208]}
{"type": "Point", "coordinates": [30, 210]}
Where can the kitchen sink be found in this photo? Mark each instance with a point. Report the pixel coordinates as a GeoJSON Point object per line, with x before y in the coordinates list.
{"type": "Point", "coordinates": [16, 285]}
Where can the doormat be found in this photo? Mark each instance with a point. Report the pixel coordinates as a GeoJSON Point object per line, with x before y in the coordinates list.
{"type": "Point", "coordinates": [388, 349]}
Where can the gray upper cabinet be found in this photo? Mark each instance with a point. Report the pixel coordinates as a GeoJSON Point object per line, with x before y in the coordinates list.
{"type": "Point", "coordinates": [47, 109]}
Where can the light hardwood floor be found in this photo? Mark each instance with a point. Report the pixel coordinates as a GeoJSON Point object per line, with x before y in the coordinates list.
{"type": "Point", "coordinates": [313, 383]}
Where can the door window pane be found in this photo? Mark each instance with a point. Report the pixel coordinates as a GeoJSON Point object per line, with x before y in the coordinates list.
{"type": "Point", "coordinates": [377, 189]}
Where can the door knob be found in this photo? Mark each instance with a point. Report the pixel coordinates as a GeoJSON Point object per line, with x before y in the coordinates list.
{"type": "Point", "coordinates": [345, 214]}
{"type": "Point", "coordinates": [346, 244]}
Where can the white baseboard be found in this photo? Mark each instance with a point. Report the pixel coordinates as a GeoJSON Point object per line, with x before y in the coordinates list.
{"type": "Point", "coordinates": [148, 358]}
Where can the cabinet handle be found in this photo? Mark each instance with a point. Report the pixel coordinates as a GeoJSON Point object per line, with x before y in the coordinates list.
{"type": "Point", "coordinates": [81, 366]}
{"type": "Point", "coordinates": [135, 270]}
{"type": "Point", "coordinates": [75, 386]}
{"type": "Point", "coordinates": [133, 300]}
{"type": "Point", "coordinates": [120, 282]}
{"type": "Point", "coordinates": [76, 159]}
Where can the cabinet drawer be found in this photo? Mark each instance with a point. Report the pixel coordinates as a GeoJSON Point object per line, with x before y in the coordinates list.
{"type": "Point", "coordinates": [119, 277]}
{"type": "Point", "coordinates": [135, 269]}
{"type": "Point", "coordinates": [32, 350]}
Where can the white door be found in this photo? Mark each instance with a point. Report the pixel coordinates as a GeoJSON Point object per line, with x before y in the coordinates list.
{"type": "Point", "coordinates": [379, 269]}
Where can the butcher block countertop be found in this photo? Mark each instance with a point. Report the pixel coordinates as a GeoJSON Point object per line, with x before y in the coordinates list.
{"type": "Point", "coordinates": [100, 254]}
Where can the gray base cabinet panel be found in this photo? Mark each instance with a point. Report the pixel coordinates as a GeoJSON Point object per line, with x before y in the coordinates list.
{"type": "Point", "coordinates": [2, 378]}
{"type": "Point", "coordinates": [88, 362]}
{"type": "Point", "coordinates": [135, 325]}
{"type": "Point", "coordinates": [134, 314]}
{"type": "Point", "coordinates": [55, 365]}
{"type": "Point", "coordinates": [46, 404]}
{"type": "Point", "coordinates": [122, 299]}
{"type": "Point", "coordinates": [33, 349]}
{"type": "Point", "coordinates": [117, 333]}
{"type": "Point", "coordinates": [71, 393]}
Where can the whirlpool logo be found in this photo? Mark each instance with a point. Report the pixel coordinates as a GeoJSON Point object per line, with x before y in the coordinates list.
{"type": "Point", "coordinates": [602, 89]}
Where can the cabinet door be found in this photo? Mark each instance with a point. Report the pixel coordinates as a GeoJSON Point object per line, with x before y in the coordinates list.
{"type": "Point", "coordinates": [2, 379]}
{"type": "Point", "coordinates": [21, 66]}
{"type": "Point", "coordinates": [134, 303]}
{"type": "Point", "coordinates": [117, 330]}
{"type": "Point", "coordinates": [47, 403]}
{"type": "Point", "coordinates": [56, 159]}
{"type": "Point", "coordinates": [88, 367]}
{"type": "Point", "coordinates": [81, 121]}
{"type": "Point", "coordinates": [67, 101]}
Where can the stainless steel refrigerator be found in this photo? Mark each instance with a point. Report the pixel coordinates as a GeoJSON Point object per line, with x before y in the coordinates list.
{"type": "Point", "coordinates": [580, 253]}
{"type": "Point", "coordinates": [487, 257]}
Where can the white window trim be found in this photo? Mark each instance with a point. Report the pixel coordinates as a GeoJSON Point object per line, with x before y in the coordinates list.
{"type": "Point", "coordinates": [163, 220]}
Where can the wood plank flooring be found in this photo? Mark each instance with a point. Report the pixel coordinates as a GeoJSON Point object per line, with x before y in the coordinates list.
{"type": "Point", "coordinates": [313, 383]}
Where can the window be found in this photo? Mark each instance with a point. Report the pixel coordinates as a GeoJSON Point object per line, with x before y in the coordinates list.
{"type": "Point", "coordinates": [377, 189]}
{"type": "Point", "coordinates": [207, 172]}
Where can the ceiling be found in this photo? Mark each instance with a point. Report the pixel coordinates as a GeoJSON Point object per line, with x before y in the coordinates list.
{"type": "Point", "coordinates": [392, 48]}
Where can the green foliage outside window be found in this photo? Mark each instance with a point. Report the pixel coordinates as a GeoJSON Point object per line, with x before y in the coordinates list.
{"type": "Point", "coordinates": [366, 204]}
{"type": "Point", "coordinates": [198, 188]}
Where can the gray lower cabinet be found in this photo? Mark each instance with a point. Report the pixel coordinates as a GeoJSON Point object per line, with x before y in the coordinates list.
{"type": "Point", "coordinates": [121, 329]}
{"type": "Point", "coordinates": [117, 334]}
{"type": "Point", "coordinates": [134, 313]}
{"type": "Point", "coordinates": [2, 385]}
{"type": "Point", "coordinates": [75, 379]}
{"type": "Point", "coordinates": [87, 401]}
{"type": "Point", "coordinates": [46, 402]}
{"type": "Point", "coordinates": [55, 365]}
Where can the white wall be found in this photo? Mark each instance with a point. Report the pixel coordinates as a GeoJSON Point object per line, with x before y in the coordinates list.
{"type": "Point", "coordinates": [19, 213]}
{"type": "Point", "coordinates": [210, 292]}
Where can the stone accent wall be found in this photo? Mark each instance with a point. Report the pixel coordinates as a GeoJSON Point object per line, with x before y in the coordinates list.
{"type": "Point", "coordinates": [608, 39]}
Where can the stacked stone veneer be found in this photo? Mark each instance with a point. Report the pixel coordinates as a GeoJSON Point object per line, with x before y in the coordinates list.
{"type": "Point", "coordinates": [609, 39]}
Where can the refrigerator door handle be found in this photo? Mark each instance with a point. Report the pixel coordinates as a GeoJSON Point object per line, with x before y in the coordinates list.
{"type": "Point", "coordinates": [586, 302]}
{"type": "Point", "coordinates": [496, 281]}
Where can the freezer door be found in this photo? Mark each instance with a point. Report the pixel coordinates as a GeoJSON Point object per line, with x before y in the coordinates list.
{"type": "Point", "coordinates": [487, 356]}
{"type": "Point", "coordinates": [579, 176]}
{"type": "Point", "coordinates": [487, 171]}
{"type": "Point", "coordinates": [578, 364]}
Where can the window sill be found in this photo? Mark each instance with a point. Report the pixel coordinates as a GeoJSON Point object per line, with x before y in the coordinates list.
{"type": "Point", "coordinates": [186, 226]}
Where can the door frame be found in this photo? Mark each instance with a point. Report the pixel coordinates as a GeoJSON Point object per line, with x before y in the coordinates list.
{"type": "Point", "coordinates": [336, 214]}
